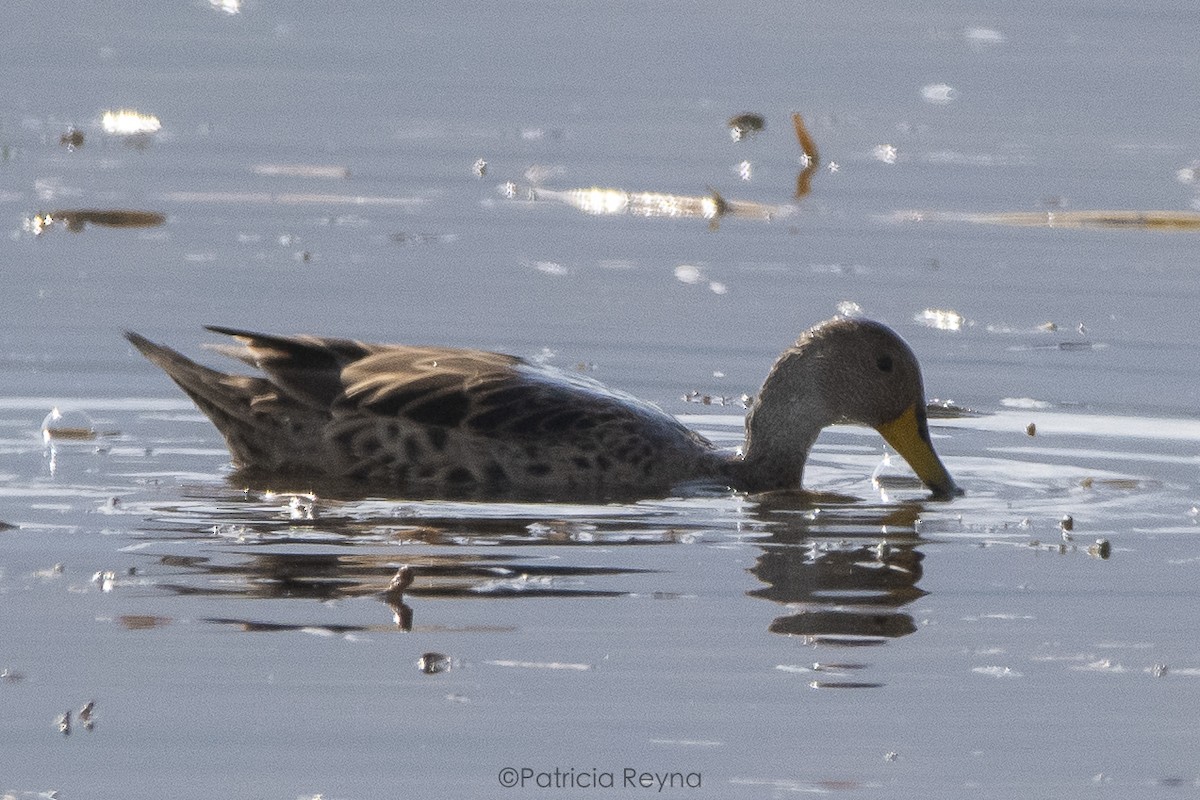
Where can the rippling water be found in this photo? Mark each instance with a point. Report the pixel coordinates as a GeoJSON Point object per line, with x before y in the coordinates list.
{"type": "Point", "coordinates": [562, 184]}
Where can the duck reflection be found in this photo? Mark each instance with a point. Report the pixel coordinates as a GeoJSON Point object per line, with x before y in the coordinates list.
{"type": "Point", "coordinates": [843, 571]}
{"type": "Point", "coordinates": [845, 576]}
{"type": "Point", "coordinates": [329, 577]}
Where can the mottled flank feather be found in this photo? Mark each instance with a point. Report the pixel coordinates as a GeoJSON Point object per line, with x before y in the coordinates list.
{"type": "Point", "coordinates": [444, 422]}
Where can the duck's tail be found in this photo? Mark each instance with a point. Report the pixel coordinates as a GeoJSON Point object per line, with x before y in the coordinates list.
{"type": "Point", "coordinates": [227, 400]}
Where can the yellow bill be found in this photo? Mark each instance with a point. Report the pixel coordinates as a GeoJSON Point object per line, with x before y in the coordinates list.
{"type": "Point", "coordinates": [908, 434]}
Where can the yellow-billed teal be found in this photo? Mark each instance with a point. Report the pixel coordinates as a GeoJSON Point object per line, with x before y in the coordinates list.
{"type": "Point", "coordinates": [439, 421]}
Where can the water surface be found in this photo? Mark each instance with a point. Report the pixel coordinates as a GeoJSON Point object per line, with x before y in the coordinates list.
{"type": "Point", "coordinates": [317, 171]}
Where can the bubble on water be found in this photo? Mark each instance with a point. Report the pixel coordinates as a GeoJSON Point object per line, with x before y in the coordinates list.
{"type": "Point", "coordinates": [686, 273]}
{"type": "Point", "coordinates": [67, 425]}
{"type": "Point", "coordinates": [433, 663]}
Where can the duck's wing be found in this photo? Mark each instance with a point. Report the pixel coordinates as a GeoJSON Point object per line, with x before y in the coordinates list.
{"type": "Point", "coordinates": [307, 369]}
{"type": "Point", "coordinates": [475, 391]}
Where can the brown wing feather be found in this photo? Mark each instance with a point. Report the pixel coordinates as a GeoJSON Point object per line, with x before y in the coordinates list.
{"type": "Point", "coordinates": [489, 394]}
{"type": "Point", "coordinates": [307, 369]}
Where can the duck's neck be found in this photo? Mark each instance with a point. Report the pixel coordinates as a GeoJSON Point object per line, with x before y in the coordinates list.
{"type": "Point", "coordinates": [782, 425]}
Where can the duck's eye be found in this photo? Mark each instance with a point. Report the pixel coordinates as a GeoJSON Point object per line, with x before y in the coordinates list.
{"type": "Point", "coordinates": [884, 363]}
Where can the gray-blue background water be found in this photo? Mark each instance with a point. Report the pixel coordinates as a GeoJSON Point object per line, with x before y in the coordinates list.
{"type": "Point", "coordinates": [316, 168]}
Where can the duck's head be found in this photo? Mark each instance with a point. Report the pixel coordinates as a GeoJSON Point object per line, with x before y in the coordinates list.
{"type": "Point", "coordinates": [857, 371]}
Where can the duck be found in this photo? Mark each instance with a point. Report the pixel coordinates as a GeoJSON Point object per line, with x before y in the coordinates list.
{"type": "Point", "coordinates": [437, 422]}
